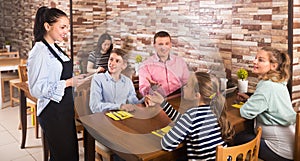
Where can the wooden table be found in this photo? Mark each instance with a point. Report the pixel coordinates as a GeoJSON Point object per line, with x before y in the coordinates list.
{"type": "Point", "coordinates": [7, 64]}
{"type": "Point", "coordinates": [14, 54]}
{"type": "Point", "coordinates": [137, 136]}
{"type": "Point", "coordinates": [24, 93]}
{"type": "Point", "coordinates": [130, 138]}
{"type": "Point", "coordinates": [233, 114]}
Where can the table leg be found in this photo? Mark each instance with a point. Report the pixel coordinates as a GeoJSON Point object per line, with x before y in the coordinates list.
{"type": "Point", "coordinates": [23, 117]}
{"type": "Point", "coordinates": [89, 146]}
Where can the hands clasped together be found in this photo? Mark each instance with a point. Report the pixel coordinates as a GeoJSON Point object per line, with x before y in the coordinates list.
{"type": "Point", "coordinates": [150, 100]}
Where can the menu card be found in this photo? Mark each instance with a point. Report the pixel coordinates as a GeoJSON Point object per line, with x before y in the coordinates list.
{"type": "Point", "coordinates": [119, 115]}
{"type": "Point", "coordinates": [238, 105]}
{"type": "Point", "coordinates": [161, 132]}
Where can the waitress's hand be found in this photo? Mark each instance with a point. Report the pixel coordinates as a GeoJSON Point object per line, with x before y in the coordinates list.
{"type": "Point", "coordinates": [75, 81]}
{"type": "Point", "coordinates": [242, 97]}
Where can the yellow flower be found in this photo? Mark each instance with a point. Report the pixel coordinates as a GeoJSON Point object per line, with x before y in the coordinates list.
{"type": "Point", "coordinates": [242, 74]}
{"type": "Point", "coordinates": [138, 58]}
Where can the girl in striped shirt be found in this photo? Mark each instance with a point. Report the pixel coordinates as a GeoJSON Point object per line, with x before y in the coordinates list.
{"type": "Point", "coordinates": [204, 126]}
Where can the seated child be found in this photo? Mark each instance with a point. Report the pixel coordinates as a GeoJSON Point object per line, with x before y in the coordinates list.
{"type": "Point", "coordinates": [112, 90]}
{"type": "Point", "coordinates": [203, 126]}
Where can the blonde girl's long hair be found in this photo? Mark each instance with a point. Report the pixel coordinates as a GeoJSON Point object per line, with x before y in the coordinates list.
{"type": "Point", "coordinates": [282, 72]}
{"type": "Point", "coordinates": [208, 87]}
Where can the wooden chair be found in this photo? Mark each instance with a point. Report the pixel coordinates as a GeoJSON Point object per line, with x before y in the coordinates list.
{"type": "Point", "coordinates": [7, 76]}
{"type": "Point", "coordinates": [245, 151]}
{"type": "Point", "coordinates": [12, 86]}
{"type": "Point", "coordinates": [22, 71]}
{"type": "Point", "coordinates": [297, 137]}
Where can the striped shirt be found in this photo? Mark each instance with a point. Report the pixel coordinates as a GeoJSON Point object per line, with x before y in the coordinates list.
{"type": "Point", "coordinates": [99, 60]}
{"type": "Point", "coordinates": [199, 127]}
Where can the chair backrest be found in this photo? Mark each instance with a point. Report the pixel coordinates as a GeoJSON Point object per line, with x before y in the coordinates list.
{"type": "Point", "coordinates": [245, 151]}
{"type": "Point", "coordinates": [9, 61]}
{"type": "Point", "coordinates": [22, 71]}
{"type": "Point", "coordinates": [82, 98]}
{"type": "Point", "coordinates": [297, 138]}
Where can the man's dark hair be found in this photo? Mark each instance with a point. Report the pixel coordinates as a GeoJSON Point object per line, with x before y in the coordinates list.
{"type": "Point", "coordinates": [161, 34]}
{"type": "Point", "coordinates": [121, 53]}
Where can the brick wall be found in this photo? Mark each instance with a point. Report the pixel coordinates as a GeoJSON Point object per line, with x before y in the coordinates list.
{"type": "Point", "coordinates": [17, 22]}
{"type": "Point", "coordinates": [208, 34]}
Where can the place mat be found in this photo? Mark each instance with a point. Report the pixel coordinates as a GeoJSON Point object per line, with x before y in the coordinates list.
{"type": "Point", "coordinates": [161, 132]}
{"type": "Point", "coordinates": [238, 105]}
{"type": "Point", "coordinates": [119, 115]}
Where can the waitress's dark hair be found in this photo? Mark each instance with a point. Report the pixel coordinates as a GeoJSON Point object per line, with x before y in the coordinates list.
{"type": "Point", "coordinates": [45, 14]}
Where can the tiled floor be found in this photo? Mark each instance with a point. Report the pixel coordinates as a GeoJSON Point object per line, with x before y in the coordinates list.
{"type": "Point", "coordinates": [10, 138]}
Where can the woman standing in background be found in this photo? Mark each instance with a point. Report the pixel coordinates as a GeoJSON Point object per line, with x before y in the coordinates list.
{"type": "Point", "coordinates": [50, 80]}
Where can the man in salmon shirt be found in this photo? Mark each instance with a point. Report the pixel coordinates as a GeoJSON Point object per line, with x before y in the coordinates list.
{"type": "Point", "coordinates": [163, 71]}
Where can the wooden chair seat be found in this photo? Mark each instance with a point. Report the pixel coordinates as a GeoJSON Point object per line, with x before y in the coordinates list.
{"type": "Point", "coordinates": [242, 152]}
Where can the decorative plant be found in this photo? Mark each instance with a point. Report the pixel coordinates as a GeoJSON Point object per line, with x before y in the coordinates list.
{"type": "Point", "coordinates": [242, 74]}
{"type": "Point", "coordinates": [138, 58]}
{"type": "Point", "coordinates": [7, 42]}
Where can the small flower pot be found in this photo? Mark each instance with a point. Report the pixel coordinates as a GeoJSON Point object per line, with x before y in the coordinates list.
{"type": "Point", "coordinates": [243, 86]}
{"type": "Point", "coordinates": [8, 48]}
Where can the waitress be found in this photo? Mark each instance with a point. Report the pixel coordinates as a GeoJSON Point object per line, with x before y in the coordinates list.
{"type": "Point", "coordinates": [50, 81]}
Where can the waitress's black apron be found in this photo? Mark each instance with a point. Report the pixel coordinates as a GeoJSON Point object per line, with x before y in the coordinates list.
{"type": "Point", "coordinates": [57, 119]}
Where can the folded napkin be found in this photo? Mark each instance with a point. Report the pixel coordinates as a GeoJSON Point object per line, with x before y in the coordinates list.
{"type": "Point", "coordinates": [119, 115]}
{"type": "Point", "coordinates": [238, 105]}
{"type": "Point", "coordinates": [161, 132]}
